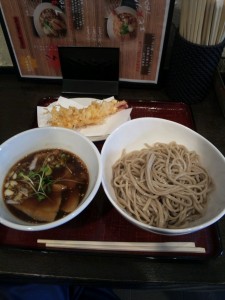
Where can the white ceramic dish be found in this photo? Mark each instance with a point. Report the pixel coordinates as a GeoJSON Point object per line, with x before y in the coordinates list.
{"type": "Point", "coordinates": [95, 132]}
{"type": "Point", "coordinates": [36, 139]}
{"type": "Point", "coordinates": [151, 130]}
{"type": "Point", "coordinates": [87, 102]}
{"type": "Point", "coordinates": [36, 16]}
{"type": "Point", "coordinates": [111, 19]}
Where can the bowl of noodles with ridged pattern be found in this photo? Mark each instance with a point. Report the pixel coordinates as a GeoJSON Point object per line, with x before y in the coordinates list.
{"type": "Point", "coordinates": [163, 176]}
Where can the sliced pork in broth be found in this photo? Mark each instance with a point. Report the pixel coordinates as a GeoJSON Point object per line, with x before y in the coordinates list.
{"type": "Point", "coordinates": [45, 185]}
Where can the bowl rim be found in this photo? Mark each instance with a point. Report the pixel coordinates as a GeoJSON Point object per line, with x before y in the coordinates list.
{"type": "Point", "coordinates": [70, 216]}
{"type": "Point", "coordinates": [150, 228]}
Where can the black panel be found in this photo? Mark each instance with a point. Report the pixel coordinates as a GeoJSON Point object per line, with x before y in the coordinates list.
{"type": "Point", "coordinates": [90, 70]}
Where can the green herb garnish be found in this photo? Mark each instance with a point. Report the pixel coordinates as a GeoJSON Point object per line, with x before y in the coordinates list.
{"type": "Point", "coordinates": [124, 29]}
{"type": "Point", "coordinates": [40, 181]}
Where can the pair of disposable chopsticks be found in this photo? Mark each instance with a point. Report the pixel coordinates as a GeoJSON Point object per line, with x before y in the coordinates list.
{"type": "Point", "coordinates": [202, 21]}
{"type": "Point", "coordinates": [188, 247]}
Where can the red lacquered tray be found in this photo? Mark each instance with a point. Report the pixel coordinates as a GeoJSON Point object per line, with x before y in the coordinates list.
{"type": "Point", "coordinates": [101, 222]}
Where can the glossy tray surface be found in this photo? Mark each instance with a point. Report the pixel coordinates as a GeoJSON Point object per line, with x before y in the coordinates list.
{"type": "Point", "coordinates": [101, 222]}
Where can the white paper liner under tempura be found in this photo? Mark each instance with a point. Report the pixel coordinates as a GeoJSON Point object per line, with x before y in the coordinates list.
{"type": "Point", "coordinates": [94, 132]}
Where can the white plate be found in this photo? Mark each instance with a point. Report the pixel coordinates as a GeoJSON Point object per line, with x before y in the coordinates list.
{"type": "Point", "coordinates": [87, 102]}
{"type": "Point", "coordinates": [95, 132]}
{"type": "Point", "coordinates": [84, 101]}
{"type": "Point", "coordinates": [110, 22]}
{"type": "Point", "coordinates": [37, 12]}
{"type": "Point", "coordinates": [98, 138]}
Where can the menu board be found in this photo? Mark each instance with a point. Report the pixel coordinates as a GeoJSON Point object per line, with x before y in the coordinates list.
{"type": "Point", "coordinates": [35, 29]}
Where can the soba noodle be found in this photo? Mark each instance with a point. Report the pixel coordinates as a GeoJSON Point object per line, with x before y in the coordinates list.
{"type": "Point", "coordinates": [162, 185]}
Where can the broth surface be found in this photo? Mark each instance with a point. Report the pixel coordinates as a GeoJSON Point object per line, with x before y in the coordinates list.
{"type": "Point", "coordinates": [46, 185]}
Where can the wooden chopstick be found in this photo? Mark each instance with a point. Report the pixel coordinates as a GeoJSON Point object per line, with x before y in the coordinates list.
{"type": "Point", "coordinates": [202, 21]}
{"type": "Point", "coordinates": [183, 18]}
{"type": "Point", "coordinates": [206, 23]}
{"type": "Point", "coordinates": [124, 246]}
{"type": "Point", "coordinates": [221, 27]}
{"type": "Point", "coordinates": [218, 8]}
{"type": "Point", "coordinates": [200, 14]}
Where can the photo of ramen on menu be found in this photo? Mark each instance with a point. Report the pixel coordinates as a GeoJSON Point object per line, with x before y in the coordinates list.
{"type": "Point", "coordinates": [138, 28]}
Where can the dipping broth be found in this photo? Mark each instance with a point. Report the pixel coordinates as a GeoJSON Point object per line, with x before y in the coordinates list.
{"type": "Point", "coordinates": [45, 186]}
